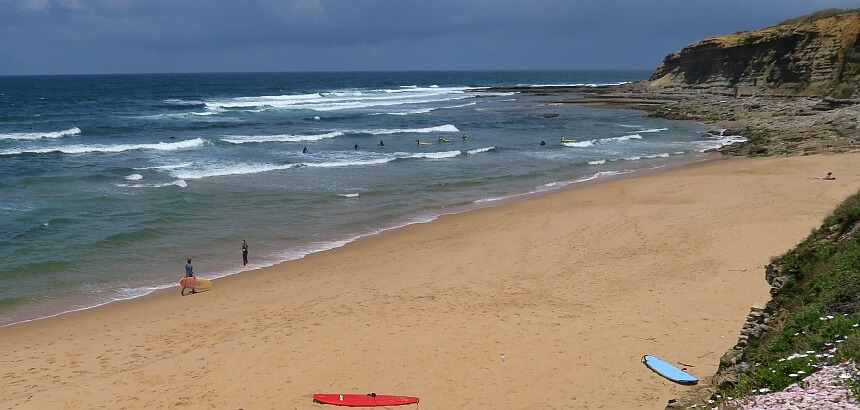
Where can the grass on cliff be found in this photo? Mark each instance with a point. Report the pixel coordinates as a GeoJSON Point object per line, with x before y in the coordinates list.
{"type": "Point", "coordinates": [818, 15]}
{"type": "Point", "coordinates": [819, 308]}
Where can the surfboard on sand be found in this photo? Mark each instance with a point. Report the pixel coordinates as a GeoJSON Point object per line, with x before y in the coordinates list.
{"type": "Point", "coordinates": [668, 371]}
{"type": "Point", "coordinates": [198, 284]}
{"type": "Point", "coordinates": [363, 400]}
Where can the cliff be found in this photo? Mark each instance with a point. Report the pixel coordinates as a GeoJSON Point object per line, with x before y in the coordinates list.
{"type": "Point", "coordinates": [815, 55]}
{"type": "Point", "coordinates": [811, 324]}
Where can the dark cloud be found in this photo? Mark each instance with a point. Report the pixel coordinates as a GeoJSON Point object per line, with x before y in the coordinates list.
{"type": "Point", "coordinates": [102, 36]}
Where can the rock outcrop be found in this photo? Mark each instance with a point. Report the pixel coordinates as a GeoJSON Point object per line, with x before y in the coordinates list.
{"type": "Point", "coordinates": [816, 55]}
{"type": "Point", "coordinates": [791, 89]}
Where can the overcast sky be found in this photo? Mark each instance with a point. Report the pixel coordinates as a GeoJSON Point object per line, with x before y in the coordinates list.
{"type": "Point", "coordinates": [160, 36]}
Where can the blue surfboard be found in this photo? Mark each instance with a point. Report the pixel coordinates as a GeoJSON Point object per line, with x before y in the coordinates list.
{"type": "Point", "coordinates": [668, 371]}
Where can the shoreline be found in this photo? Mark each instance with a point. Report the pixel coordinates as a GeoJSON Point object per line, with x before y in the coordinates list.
{"type": "Point", "coordinates": [429, 309]}
{"type": "Point", "coordinates": [345, 239]}
{"type": "Point", "coordinates": [775, 124]}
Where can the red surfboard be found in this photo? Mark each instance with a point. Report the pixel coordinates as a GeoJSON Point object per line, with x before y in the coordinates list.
{"type": "Point", "coordinates": [363, 400]}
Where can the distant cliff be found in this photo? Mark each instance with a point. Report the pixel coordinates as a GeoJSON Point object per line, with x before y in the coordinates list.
{"type": "Point", "coordinates": [815, 55]}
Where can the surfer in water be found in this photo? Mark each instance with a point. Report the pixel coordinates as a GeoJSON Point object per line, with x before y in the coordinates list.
{"type": "Point", "coordinates": [381, 144]}
{"type": "Point", "coordinates": [189, 273]}
{"type": "Point", "coordinates": [356, 145]}
{"type": "Point", "coordinates": [305, 150]}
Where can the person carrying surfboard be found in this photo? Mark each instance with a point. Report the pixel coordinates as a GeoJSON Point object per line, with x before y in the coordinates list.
{"type": "Point", "coordinates": [189, 273]}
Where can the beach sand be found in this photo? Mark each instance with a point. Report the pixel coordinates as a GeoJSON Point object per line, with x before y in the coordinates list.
{"type": "Point", "coordinates": [547, 303]}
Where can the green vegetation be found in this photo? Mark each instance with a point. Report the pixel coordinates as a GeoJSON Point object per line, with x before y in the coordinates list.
{"type": "Point", "coordinates": [818, 15]}
{"type": "Point", "coordinates": [817, 312]}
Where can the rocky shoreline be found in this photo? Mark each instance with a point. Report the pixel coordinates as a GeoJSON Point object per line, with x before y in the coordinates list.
{"type": "Point", "coordinates": [773, 125]}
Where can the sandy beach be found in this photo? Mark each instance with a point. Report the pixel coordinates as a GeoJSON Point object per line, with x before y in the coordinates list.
{"type": "Point", "coordinates": [548, 302]}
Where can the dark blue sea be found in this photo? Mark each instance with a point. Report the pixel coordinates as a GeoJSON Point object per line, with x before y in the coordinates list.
{"type": "Point", "coordinates": [108, 183]}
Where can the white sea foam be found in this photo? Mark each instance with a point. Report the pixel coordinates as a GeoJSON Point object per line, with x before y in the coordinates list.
{"type": "Point", "coordinates": [479, 150]}
{"type": "Point", "coordinates": [338, 161]}
{"type": "Point", "coordinates": [175, 101]}
{"type": "Point", "coordinates": [167, 167]}
{"type": "Point", "coordinates": [460, 105]}
{"type": "Point", "coordinates": [134, 177]}
{"type": "Point", "coordinates": [348, 195]}
{"type": "Point", "coordinates": [553, 186]}
{"type": "Point", "coordinates": [575, 85]}
{"type": "Point", "coordinates": [440, 128]}
{"type": "Point", "coordinates": [349, 162]}
{"type": "Point", "coordinates": [412, 112]}
{"type": "Point", "coordinates": [579, 144]}
{"type": "Point", "coordinates": [180, 183]}
{"type": "Point", "coordinates": [16, 205]}
{"type": "Point", "coordinates": [335, 161]}
{"type": "Point", "coordinates": [185, 115]}
{"type": "Point", "coordinates": [589, 143]}
{"type": "Point", "coordinates": [653, 130]}
{"type": "Point", "coordinates": [623, 138]}
{"type": "Point", "coordinates": [435, 155]}
{"type": "Point", "coordinates": [598, 162]}
{"type": "Point", "coordinates": [217, 170]}
{"type": "Point", "coordinates": [243, 139]}
{"type": "Point", "coordinates": [344, 99]}
{"type": "Point", "coordinates": [661, 155]}
{"type": "Point", "coordinates": [502, 198]}
{"type": "Point", "coordinates": [720, 141]}
{"type": "Point", "coordinates": [556, 184]}
{"type": "Point", "coordinates": [87, 149]}
{"type": "Point", "coordinates": [40, 135]}
{"type": "Point", "coordinates": [602, 174]}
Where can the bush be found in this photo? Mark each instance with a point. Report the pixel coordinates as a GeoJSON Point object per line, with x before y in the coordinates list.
{"type": "Point", "coordinates": [819, 309]}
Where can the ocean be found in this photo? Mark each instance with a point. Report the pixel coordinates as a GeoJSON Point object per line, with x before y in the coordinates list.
{"type": "Point", "coordinates": [109, 182]}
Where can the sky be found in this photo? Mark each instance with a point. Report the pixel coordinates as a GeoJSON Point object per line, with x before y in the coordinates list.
{"type": "Point", "coordinates": [178, 36]}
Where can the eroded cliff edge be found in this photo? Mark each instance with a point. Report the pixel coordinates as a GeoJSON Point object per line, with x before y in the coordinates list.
{"type": "Point", "coordinates": [791, 89]}
{"type": "Point", "coordinates": [816, 55]}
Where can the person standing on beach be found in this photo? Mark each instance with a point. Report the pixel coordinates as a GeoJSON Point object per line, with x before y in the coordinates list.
{"type": "Point", "coordinates": [244, 253]}
{"type": "Point", "coordinates": [189, 273]}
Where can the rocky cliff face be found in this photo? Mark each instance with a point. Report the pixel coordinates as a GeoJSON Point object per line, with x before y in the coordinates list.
{"type": "Point", "coordinates": [816, 55]}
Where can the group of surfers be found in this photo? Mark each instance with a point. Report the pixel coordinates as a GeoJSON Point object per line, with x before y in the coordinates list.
{"type": "Point", "coordinates": [440, 139]}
